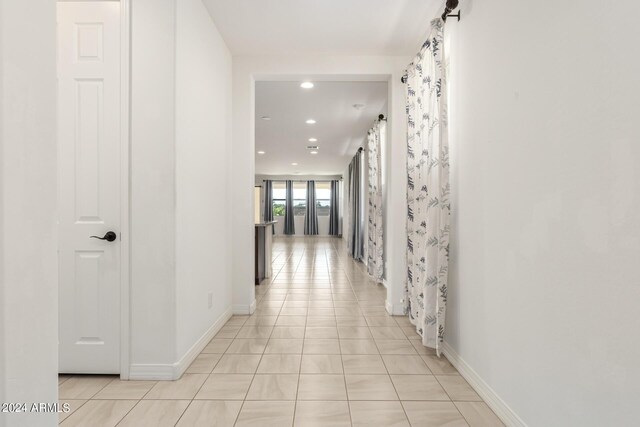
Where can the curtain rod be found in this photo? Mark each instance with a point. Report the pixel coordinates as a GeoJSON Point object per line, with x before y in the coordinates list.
{"type": "Point", "coordinates": [380, 118]}
{"type": "Point", "coordinates": [302, 180]}
{"type": "Point", "coordinates": [449, 7]}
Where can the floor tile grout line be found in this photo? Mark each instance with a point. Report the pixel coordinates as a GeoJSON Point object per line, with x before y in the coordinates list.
{"type": "Point", "coordinates": [185, 410]}
{"type": "Point", "coordinates": [128, 412]}
{"type": "Point", "coordinates": [77, 409]}
{"type": "Point", "coordinates": [295, 404]}
{"type": "Point", "coordinates": [465, 418]}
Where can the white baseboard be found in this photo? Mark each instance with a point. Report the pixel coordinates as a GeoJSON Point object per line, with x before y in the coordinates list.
{"type": "Point", "coordinates": [394, 309]}
{"type": "Point", "coordinates": [389, 307]}
{"type": "Point", "coordinates": [147, 372]}
{"type": "Point", "coordinates": [243, 310]}
{"type": "Point", "coordinates": [502, 410]}
{"type": "Point", "coordinates": [173, 371]}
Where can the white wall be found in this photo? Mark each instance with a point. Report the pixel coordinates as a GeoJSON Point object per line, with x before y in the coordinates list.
{"type": "Point", "coordinates": [323, 225]}
{"type": "Point", "coordinates": [544, 289]}
{"type": "Point", "coordinates": [203, 156]}
{"type": "Point", "coordinates": [153, 183]}
{"type": "Point", "coordinates": [246, 69]}
{"type": "Point", "coordinates": [28, 176]}
{"type": "Point", "coordinates": [180, 157]}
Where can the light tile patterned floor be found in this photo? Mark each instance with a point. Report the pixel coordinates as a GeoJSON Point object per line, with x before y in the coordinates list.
{"type": "Point", "coordinates": [320, 350]}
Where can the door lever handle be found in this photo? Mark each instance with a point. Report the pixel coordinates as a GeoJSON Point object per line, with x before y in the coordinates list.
{"type": "Point", "coordinates": [110, 236]}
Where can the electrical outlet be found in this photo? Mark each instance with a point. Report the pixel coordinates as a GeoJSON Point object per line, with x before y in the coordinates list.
{"type": "Point", "coordinates": [210, 299]}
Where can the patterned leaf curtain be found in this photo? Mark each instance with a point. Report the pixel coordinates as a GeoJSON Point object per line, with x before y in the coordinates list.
{"type": "Point", "coordinates": [334, 210]}
{"type": "Point", "coordinates": [375, 138]}
{"type": "Point", "coordinates": [428, 189]}
{"type": "Point", "coordinates": [311, 216]}
{"type": "Point", "coordinates": [289, 218]}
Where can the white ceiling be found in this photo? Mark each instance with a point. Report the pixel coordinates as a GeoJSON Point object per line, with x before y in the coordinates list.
{"type": "Point", "coordinates": [352, 27]}
{"type": "Point", "coordinates": [340, 128]}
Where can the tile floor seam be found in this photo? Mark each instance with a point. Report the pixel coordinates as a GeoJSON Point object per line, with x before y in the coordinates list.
{"type": "Point", "coordinates": [128, 412]}
{"type": "Point", "coordinates": [295, 405]}
{"type": "Point", "coordinates": [103, 387]}
{"type": "Point", "coordinates": [185, 410]}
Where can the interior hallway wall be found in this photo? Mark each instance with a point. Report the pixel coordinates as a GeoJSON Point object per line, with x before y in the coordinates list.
{"type": "Point", "coordinates": [203, 156]}
{"type": "Point", "coordinates": [180, 157]}
{"type": "Point", "coordinates": [28, 200]}
{"type": "Point", "coordinates": [323, 225]}
{"type": "Point", "coordinates": [544, 278]}
{"type": "Point", "coordinates": [248, 69]}
{"type": "Point", "coordinates": [153, 184]}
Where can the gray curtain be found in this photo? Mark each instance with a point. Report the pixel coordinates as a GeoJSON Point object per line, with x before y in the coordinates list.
{"type": "Point", "coordinates": [267, 212]}
{"type": "Point", "coordinates": [356, 214]}
{"type": "Point", "coordinates": [268, 201]}
{"type": "Point", "coordinates": [311, 217]}
{"type": "Point", "coordinates": [334, 210]}
{"type": "Point", "coordinates": [289, 219]}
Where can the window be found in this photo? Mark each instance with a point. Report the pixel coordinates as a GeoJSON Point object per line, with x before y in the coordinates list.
{"type": "Point", "coordinates": [279, 198]}
{"type": "Point", "coordinates": [299, 198]}
{"type": "Point", "coordinates": [323, 197]}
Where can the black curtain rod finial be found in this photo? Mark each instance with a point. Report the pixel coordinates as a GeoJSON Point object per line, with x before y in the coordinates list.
{"type": "Point", "coordinates": [450, 6]}
{"type": "Point", "coordinates": [381, 117]}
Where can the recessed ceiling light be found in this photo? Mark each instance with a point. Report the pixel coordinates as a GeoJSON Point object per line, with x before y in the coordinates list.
{"type": "Point", "coordinates": [294, 164]}
{"type": "Point", "coordinates": [313, 139]}
{"type": "Point", "coordinates": [261, 152]}
{"type": "Point", "coordinates": [265, 118]}
{"type": "Point", "coordinates": [311, 121]}
{"type": "Point", "coordinates": [306, 85]}
{"type": "Point", "coordinates": [313, 152]}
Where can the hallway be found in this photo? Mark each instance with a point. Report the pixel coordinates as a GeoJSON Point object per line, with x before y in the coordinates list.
{"type": "Point", "coordinates": [320, 350]}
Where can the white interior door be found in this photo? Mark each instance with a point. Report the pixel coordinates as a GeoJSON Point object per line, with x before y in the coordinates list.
{"type": "Point", "coordinates": [89, 129]}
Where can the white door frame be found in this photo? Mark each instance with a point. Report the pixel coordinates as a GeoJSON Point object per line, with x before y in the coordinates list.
{"type": "Point", "coordinates": [125, 187]}
{"type": "Point", "coordinates": [125, 184]}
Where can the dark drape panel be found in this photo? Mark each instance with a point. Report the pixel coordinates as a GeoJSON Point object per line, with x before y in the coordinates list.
{"type": "Point", "coordinates": [267, 211]}
{"type": "Point", "coordinates": [311, 217]}
{"type": "Point", "coordinates": [356, 214]}
{"type": "Point", "coordinates": [334, 210]}
{"type": "Point", "coordinates": [289, 219]}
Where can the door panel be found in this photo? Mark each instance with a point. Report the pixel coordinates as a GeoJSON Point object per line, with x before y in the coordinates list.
{"type": "Point", "coordinates": [89, 185]}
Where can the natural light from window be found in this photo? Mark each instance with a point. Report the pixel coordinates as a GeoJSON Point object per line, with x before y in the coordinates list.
{"type": "Point", "coordinates": [323, 198]}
